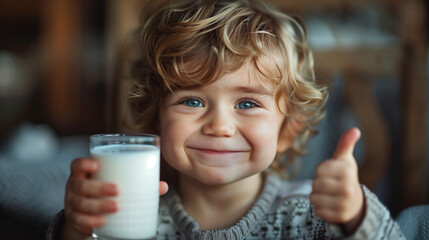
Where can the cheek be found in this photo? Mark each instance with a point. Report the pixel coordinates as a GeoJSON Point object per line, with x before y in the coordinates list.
{"type": "Point", "coordinates": [169, 137]}
{"type": "Point", "coordinates": [174, 134]}
{"type": "Point", "coordinates": [263, 136]}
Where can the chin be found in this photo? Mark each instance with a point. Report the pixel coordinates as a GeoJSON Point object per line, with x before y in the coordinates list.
{"type": "Point", "coordinates": [212, 178]}
{"type": "Point", "coordinates": [218, 178]}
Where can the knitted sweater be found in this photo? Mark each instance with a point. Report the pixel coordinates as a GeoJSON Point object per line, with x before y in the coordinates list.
{"type": "Point", "coordinates": [282, 211]}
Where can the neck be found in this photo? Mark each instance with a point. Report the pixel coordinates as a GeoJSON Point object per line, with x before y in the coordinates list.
{"type": "Point", "coordinates": [220, 206]}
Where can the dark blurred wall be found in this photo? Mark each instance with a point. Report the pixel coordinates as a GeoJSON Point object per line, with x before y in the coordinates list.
{"type": "Point", "coordinates": [52, 53]}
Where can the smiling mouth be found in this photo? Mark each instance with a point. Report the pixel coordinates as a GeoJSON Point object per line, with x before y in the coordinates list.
{"type": "Point", "coordinates": [218, 158]}
{"type": "Point", "coordinates": [214, 151]}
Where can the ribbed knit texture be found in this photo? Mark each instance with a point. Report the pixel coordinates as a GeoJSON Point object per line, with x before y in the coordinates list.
{"type": "Point", "coordinates": [414, 222]}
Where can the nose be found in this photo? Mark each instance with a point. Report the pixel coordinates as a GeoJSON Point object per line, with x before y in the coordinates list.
{"type": "Point", "coordinates": [219, 123]}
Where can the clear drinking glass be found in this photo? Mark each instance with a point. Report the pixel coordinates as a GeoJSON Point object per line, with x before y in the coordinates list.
{"type": "Point", "coordinates": [132, 162]}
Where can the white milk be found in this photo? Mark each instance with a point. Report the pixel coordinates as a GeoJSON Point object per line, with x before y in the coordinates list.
{"type": "Point", "coordinates": [135, 170]}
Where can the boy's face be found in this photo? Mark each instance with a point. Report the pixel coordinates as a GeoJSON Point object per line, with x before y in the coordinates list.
{"type": "Point", "coordinates": [222, 132]}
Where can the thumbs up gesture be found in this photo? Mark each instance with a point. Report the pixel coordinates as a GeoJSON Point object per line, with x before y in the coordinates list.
{"type": "Point", "coordinates": [337, 196]}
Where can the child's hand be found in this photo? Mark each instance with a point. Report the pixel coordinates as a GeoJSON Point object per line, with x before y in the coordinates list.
{"type": "Point", "coordinates": [337, 195]}
{"type": "Point", "coordinates": [84, 207]}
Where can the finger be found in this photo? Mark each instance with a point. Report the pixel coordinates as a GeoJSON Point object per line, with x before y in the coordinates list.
{"type": "Point", "coordinates": [334, 169]}
{"type": "Point", "coordinates": [92, 206]}
{"type": "Point", "coordinates": [327, 186]}
{"type": "Point", "coordinates": [84, 222]}
{"type": "Point", "coordinates": [323, 201]}
{"type": "Point", "coordinates": [80, 167]}
{"type": "Point", "coordinates": [328, 215]}
{"type": "Point", "coordinates": [329, 208]}
{"type": "Point", "coordinates": [347, 143]}
{"type": "Point", "coordinates": [333, 215]}
{"type": "Point", "coordinates": [163, 188]}
{"type": "Point", "coordinates": [92, 188]}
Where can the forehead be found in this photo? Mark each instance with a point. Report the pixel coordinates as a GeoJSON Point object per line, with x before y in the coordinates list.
{"type": "Point", "coordinates": [245, 79]}
{"type": "Point", "coordinates": [249, 73]}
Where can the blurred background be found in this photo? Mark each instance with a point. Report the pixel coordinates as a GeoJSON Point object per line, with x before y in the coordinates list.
{"type": "Point", "coordinates": [62, 63]}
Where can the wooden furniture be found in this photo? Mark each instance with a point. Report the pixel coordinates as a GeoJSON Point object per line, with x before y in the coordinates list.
{"type": "Point", "coordinates": [123, 17]}
{"type": "Point", "coordinates": [62, 26]}
{"type": "Point", "coordinates": [73, 71]}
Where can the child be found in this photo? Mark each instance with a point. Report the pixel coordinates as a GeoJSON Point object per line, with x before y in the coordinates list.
{"type": "Point", "coordinates": [230, 88]}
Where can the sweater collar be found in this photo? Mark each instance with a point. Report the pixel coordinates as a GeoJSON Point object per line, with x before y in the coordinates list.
{"type": "Point", "coordinates": [241, 229]}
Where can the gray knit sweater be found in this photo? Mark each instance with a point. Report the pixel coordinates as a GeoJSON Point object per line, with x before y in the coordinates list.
{"type": "Point", "coordinates": [282, 211]}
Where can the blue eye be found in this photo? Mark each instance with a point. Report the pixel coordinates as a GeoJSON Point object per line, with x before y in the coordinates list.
{"type": "Point", "coordinates": [192, 102]}
{"type": "Point", "coordinates": [245, 105]}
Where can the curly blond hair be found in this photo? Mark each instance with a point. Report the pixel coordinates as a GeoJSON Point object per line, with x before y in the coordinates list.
{"type": "Point", "coordinates": [189, 44]}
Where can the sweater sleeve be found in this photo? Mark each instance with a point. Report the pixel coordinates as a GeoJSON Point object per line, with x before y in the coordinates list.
{"type": "Point", "coordinates": [377, 223]}
{"type": "Point", "coordinates": [55, 226]}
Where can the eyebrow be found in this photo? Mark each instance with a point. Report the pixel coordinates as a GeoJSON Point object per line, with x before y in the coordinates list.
{"type": "Point", "coordinates": [260, 90]}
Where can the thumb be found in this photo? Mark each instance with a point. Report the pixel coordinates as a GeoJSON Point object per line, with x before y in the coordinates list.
{"type": "Point", "coordinates": [347, 143]}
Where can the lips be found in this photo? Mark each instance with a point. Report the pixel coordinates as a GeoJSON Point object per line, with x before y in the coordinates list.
{"type": "Point", "coordinates": [216, 151]}
{"type": "Point", "coordinates": [218, 157]}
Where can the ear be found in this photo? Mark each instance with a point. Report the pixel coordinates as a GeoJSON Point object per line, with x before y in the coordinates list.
{"type": "Point", "coordinates": [288, 131]}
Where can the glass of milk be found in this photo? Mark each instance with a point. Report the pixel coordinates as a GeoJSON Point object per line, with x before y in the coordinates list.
{"type": "Point", "coordinates": [131, 161]}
